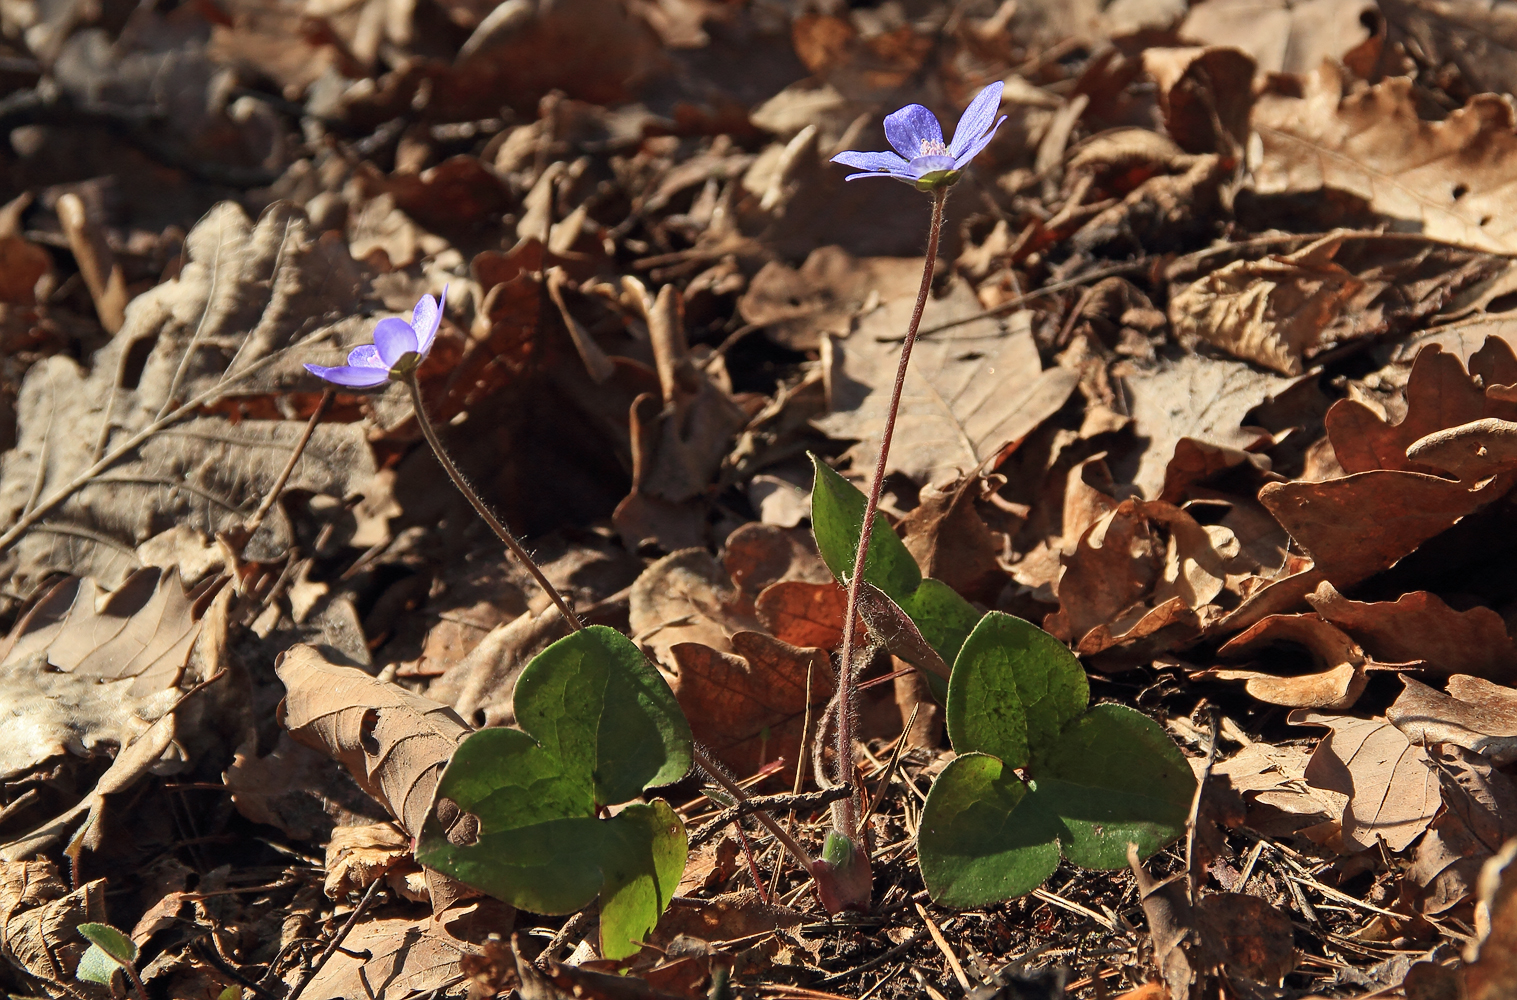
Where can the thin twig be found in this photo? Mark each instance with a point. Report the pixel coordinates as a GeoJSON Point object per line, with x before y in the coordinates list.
{"type": "Point", "coordinates": [719, 775]}
{"type": "Point", "coordinates": [847, 812]}
{"type": "Point", "coordinates": [501, 531]}
{"type": "Point", "coordinates": [289, 467]}
{"type": "Point", "coordinates": [766, 803]}
{"type": "Point", "coordinates": [135, 441]}
{"type": "Point", "coordinates": [337, 939]}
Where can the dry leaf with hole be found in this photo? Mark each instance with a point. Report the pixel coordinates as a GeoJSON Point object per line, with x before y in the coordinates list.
{"type": "Point", "coordinates": [1451, 179]}
{"type": "Point", "coordinates": [1392, 792]}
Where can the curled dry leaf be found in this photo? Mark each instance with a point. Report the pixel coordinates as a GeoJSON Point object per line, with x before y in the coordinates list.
{"type": "Point", "coordinates": [1421, 626]}
{"type": "Point", "coordinates": [1340, 676]}
{"type": "Point", "coordinates": [1204, 95]}
{"type": "Point", "coordinates": [1282, 311]}
{"type": "Point", "coordinates": [1474, 714]}
{"type": "Point", "coordinates": [1452, 179]}
{"type": "Point", "coordinates": [1392, 792]}
{"type": "Point", "coordinates": [1492, 973]}
{"type": "Point", "coordinates": [38, 917]}
{"type": "Point", "coordinates": [1283, 37]}
{"type": "Point", "coordinates": [393, 742]}
{"type": "Point", "coordinates": [1272, 781]}
{"type": "Point", "coordinates": [950, 540]}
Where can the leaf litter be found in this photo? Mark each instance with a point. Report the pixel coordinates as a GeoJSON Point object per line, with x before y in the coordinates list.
{"type": "Point", "coordinates": [1218, 386]}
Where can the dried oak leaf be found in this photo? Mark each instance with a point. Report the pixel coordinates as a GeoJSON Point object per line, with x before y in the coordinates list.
{"type": "Point", "coordinates": [1453, 179]}
{"type": "Point", "coordinates": [1392, 792]}
{"type": "Point", "coordinates": [1479, 815]}
{"type": "Point", "coordinates": [1337, 683]}
{"type": "Point", "coordinates": [1283, 310]}
{"type": "Point", "coordinates": [749, 705]}
{"type": "Point", "coordinates": [389, 958]}
{"type": "Point", "coordinates": [246, 291]}
{"type": "Point", "coordinates": [950, 540]}
{"type": "Point", "coordinates": [84, 676]}
{"type": "Point", "coordinates": [1205, 399]}
{"type": "Point", "coordinates": [972, 393]}
{"type": "Point", "coordinates": [1474, 714]}
{"type": "Point", "coordinates": [1420, 626]}
{"type": "Point", "coordinates": [798, 307]}
{"type": "Point", "coordinates": [1283, 36]}
{"type": "Point", "coordinates": [1143, 571]}
{"type": "Point", "coordinates": [38, 921]}
{"type": "Point", "coordinates": [1272, 781]}
{"type": "Point", "coordinates": [393, 742]}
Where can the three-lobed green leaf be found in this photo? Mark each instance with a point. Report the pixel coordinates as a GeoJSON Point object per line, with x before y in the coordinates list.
{"type": "Point", "coordinates": [518, 811]}
{"type": "Point", "coordinates": [1097, 779]}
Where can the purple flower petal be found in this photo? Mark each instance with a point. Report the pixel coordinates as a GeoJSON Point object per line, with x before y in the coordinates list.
{"type": "Point", "coordinates": [348, 375]}
{"type": "Point", "coordinates": [976, 119]}
{"type": "Point", "coordinates": [394, 338]}
{"type": "Point", "coordinates": [882, 162]}
{"type": "Point", "coordinates": [913, 131]}
{"type": "Point", "coordinates": [426, 318]}
{"type": "Point", "coordinates": [901, 175]}
{"type": "Point", "coordinates": [978, 147]}
{"type": "Point", "coordinates": [924, 165]}
{"type": "Point", "coordinates": [367, 356]}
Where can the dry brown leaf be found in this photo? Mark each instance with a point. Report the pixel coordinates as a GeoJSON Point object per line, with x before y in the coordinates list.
{"type": "Point", "coordinates": [798, 307]}
{"type": "Point", "coordinates": [1281, 311]}
{"type": "Point", "coordinates": [1420, 626]}
{"type": "Point", "coordinates": [972, 390]}
{"type": "Point", "coordinates": [1476, 38]}
{"type": "Point", "coordinates": [1272, 780]}
{"type": "Point", "coordinates": [296, 789]}
{"type": "Point", "coordinates": [1452, 179]}
{"type": "Point", "coordinates": [1480, 815]}
{"type": "Point", "coordinates": [82, 675]}
{"type": "Point", "coordinates": [246, 291]}
{"type": "Point", "coordinates": [38, 921]}
{"type": "Point", "coordinates": [1337, 684]}
{"type": "Point", "coordinates": [686, 596]}
{"type": "Point", "coordinates": [389, 958]}
{"type": "Point", "coordinates": [1439, 394]}
{"type": "Point", "coordinates": [1194, 397]}
{"type": "Point", "coordinates": [1362, 524]}
{"type": "Point", "coordinates": [1474, 714]}
{"type": "Point", "coordinates": [1392, 792]}
{"type": "Point", "coordinates": [804, 614]}
{"type": "Point", "coordinates": [950, 540]}
{"type": "Point", "coordinates": [1204, 96]}
{"type": "Point", "coordinates": [393, 742]}
{"type": "Point", "coordinates": [357, 855]}
{"type": "Point", "coordinates": [1283, 36]}
{"type": "Point", "coordinates": [749, 705]}
{"type": "Point", "coordinates": [1492, 973]}
{"type": "Point", "coordinates": [1472, 452]}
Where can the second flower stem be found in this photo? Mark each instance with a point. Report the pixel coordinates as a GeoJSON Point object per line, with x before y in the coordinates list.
{"type": "Point", "coordinates": [495, 523]}
{"type": "Point", "coordinates": [848, 813]}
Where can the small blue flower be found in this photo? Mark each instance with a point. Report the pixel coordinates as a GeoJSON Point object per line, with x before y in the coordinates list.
{"type": "Point", "coordinates": [397, 349]}
{"type": "Point", "coordinates": [924, 161]}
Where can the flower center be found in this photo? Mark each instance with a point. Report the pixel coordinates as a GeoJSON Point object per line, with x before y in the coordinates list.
{"type": "Point", "coordinates": [930, 148]}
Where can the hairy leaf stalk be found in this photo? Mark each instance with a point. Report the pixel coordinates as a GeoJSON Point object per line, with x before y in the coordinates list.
{"type": "Point", "coordinates": [846, 812]}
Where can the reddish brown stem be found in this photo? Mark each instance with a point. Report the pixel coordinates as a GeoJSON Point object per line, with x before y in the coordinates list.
{"type": "Point", "coordinates": [847, 813]}
{"type": "Point", "coordinates": [483, 509]}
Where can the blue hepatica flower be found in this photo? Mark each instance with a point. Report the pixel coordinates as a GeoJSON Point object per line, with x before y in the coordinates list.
{"type": "Point", "coordinates": [924, 161]}
{"type": "Point", "coordinates": [397, 349]}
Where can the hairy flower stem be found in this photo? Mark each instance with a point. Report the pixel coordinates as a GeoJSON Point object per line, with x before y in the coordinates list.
{"type": "Point", "coordinates": [484, 511]}
{"type": "Point", "coordinates": [846, 812]}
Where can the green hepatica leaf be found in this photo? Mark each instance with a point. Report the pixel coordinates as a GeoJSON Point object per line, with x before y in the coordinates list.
{"type": "Point", "coordinates": [944, 618]}
{"type": "Point", "coordinates": [95, 966]}
{"type": "Point", "coordinates": [837, 518]}
{"type": "Point", "coordinates": [644, 859]}
{"type": "Point", "coordinates": [1113, 777]}
{"type": "Point", "coordinates": [108, 939]}
{"type": "Point", "coordinates": [983, 838]}
{"type": "Point", "coordinates": [837, 515]}
{"type": "Point", "coordinates": [516, 812]}
{"type": "Point", "coordinates": [1013, 686]}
